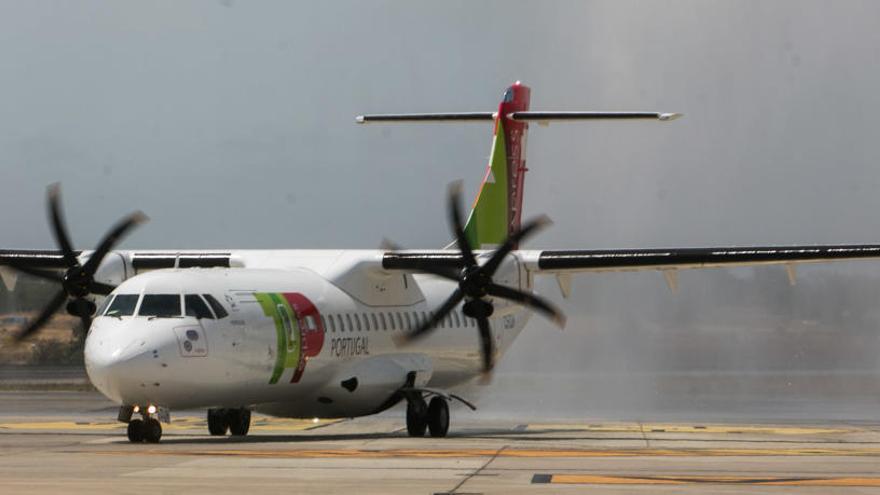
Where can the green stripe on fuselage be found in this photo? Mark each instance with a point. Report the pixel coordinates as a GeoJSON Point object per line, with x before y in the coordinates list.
{"type": "Point", "coordinates": [285, 357]}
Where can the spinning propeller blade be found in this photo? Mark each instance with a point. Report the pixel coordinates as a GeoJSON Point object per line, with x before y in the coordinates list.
{"type": "Point", "coordinates": [475, 282]}
{"type": "Point", "coordinates": [78, 281]}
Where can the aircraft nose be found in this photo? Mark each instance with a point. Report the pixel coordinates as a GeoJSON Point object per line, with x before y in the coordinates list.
{"type": "Point", "coordinates": [126, 364]}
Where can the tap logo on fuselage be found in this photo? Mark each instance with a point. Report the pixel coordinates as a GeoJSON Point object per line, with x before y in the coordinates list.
{"type": "Point", "coordinates": [299, 330]}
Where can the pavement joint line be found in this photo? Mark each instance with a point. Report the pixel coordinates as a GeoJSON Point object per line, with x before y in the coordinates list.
{"type": "Point", "coordinates": [636, 427]}
{"type": "Point", "coordinates": [182, 423]}
{"type": "Point", "coordinates": [599, 479]}
{"type": "Point", "coordinates": [493, 454]}
{"type": "Point", "coordinates": [477, 471]}
{"type": "Point", "coordinates": [644, 437]}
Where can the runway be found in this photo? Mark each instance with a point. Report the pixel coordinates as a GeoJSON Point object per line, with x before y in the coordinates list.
{"type": "Point", "coordinates": [78, 448]}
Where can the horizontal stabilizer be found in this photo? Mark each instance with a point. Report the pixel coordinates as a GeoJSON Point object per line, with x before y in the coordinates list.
{"type": "Point", "coordinates": [548, 116]}
{"type": "Point", "coordinates": [525, 116]}
{"type": "Point", "coordinates": [427, 117]}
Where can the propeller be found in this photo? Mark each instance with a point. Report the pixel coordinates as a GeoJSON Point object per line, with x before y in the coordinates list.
{"type": "Point", "coordinates": [475, 284]}
{"type": "Point", "coordinates": [78, 280]}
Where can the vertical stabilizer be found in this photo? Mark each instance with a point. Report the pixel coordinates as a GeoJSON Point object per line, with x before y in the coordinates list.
{"type": "Point", "coordinates": [497, 209]}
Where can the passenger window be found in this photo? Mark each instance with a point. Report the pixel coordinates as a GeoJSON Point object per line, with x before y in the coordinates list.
{"type": "Point", "coordinates": [160, 305]}
{"type": "Point", "coordinates": [218, 308]}
{"type": "Point", "coordinates": [123, 305]}
{"type": "Point", "coordinates": [323, 323]}
{"type": "Point", "coordinates": [455, 317]}
{"type": "Point", "coordinates": [400, 325]}
{"type": "Point", "coordinates": [408, 321]}
{"type": "Point", "coordinates": [374, 321]}
{"type": "Point", "coordinates": [357, 321]}
{"type": "Point", "coordinates": [350, 325]}
{"type": "Point", "coordinates": [332, 323]}
{"type": "Point", "coordinates": [382, 321]}
{"type": "Point", "coordinates": [195, 306]}
{"type": "Point", "coordinates": [340, 323]}
{"type": "Point", "coordinates": [366, 323]}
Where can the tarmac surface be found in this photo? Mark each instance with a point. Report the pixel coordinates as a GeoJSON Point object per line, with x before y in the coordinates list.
{"type": "Point", "coordinates": [68, 442]}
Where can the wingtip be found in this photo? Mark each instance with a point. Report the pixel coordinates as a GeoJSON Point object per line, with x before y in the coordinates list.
{"type": "Point", "coordinates": [359, 119]}
{"type": "Point", "coordinates": [670, 116]}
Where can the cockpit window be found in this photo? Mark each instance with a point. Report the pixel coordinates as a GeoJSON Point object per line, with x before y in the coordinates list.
{"type": "Point", "coordinates": [160, 305]}
{"type": "Point", "coordinates": [104, 305]}
{"type": "Point", "coordinates": [216, 306]}
{"type": "Point", "coordinates": [122, 305]}
{"type": "Point", "coordinates": [195, 306]}
{"type": "Point", "coordinates": [508, 95]}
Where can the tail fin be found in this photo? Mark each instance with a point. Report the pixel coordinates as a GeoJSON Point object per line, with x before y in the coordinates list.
{"type": "Point", "coordinates": [497, 209]}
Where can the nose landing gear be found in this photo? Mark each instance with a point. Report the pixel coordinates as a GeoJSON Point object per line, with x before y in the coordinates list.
{"type": "Point", "coordinates": [235, 421]}
{"type": "Point", "coordinates": [144, 430]}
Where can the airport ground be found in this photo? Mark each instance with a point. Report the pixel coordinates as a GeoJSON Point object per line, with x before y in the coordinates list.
{"type": "Point", "coordinates": [66, 441]}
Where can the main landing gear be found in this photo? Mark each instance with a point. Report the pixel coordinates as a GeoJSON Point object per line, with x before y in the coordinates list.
{"type": "Point", "coordinates": [432, 416]}
{"type": "Point", "coordinates": [235, 421]}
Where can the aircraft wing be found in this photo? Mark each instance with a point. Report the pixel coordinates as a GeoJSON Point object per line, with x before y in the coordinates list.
{"type": "Point", "coordinates": [581, 260]}
{"type": "Point", "coordinates": [33, 258]}
{"type": "Point", "coordinates": [563, 261]}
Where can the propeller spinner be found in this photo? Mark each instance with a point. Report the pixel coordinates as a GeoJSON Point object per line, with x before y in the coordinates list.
{"type": "Point", "coordinates": [475, 284]}
{"type": "Point", "coordinates": [78, 280]}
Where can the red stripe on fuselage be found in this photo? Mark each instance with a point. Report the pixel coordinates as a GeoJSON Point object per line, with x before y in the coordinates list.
{"type": "Point", "coordinates": [312, 330]}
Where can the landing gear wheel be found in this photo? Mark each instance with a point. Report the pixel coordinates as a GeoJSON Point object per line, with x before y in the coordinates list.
{"type": "Point", "coordinates": [218, 422]}
{"type": "Point", "coordinates": [136, 431]}
{"type": "Point", "coordinates": [239, 421]}
{"type": "Point", "coordinates": [152, 430]}
{"type": "Point", "coordinates": [416, 417]}
{"type": "Point", "coordinates": [438, 417]}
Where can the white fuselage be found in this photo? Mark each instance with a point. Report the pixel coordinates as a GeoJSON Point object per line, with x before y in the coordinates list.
{"type": "Point", "coordinates": [308, 337]}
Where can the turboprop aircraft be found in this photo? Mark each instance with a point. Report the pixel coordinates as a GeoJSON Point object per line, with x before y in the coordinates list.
{"type": "Point", "coordinates": [337, 332]}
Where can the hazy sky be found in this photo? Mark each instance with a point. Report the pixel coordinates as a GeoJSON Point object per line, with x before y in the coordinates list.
{"type": "Point", "coordinates": [231, 123]}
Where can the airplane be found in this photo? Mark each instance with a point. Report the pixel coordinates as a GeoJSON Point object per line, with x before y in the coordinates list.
{"type": "Point", "coordinates": [338, 333]}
